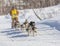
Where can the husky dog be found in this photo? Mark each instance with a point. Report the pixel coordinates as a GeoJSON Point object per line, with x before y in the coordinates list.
{"type": "Point", "coordinates": [31, 28]}
{"type": "Point", "coordinates": [24, 25]}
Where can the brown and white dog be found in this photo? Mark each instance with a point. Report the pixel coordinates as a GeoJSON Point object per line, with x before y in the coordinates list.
{"type": "Point", "coordinates": [24, 25]}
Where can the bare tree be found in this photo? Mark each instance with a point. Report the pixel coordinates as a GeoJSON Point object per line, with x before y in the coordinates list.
{"type": "Point", "coordinates": [26, 4]}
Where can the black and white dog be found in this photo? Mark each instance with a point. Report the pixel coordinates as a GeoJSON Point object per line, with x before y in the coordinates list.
{"type": "Point", "coordinates": [31, 28]}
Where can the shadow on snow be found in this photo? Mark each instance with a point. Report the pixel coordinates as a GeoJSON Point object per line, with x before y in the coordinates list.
{"type": "Point", "coordinates": [14, 33]}
{"type": "Point", "coordinates": [53, 24]}
{"type": "Point", "coordinates": [23, 35]}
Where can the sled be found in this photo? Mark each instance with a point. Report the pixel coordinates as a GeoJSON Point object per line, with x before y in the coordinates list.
{"type": "Point", "coordinates": [16, 26]}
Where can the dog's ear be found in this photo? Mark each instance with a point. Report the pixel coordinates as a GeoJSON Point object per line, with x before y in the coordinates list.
{"type": "Point", "coordinates": [32, 22]}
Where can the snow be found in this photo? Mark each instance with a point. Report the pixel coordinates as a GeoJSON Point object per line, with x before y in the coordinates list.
{"type": "Point", "coordinates": [48, 33]}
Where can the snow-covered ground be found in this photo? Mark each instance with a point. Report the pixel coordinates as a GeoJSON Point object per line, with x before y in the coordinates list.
{"type": "Point", "coordinates": [48, 33]}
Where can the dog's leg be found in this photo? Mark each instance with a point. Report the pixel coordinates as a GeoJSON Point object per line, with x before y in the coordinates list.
{"type": "Point", "coordinates": [36, 31]}
{"type": "Point", "coordinates": [33, 32]}
{"type": "Point", "coordinates": [22, 29]}
{"type": "Point", "coordinates": [28, 32]}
